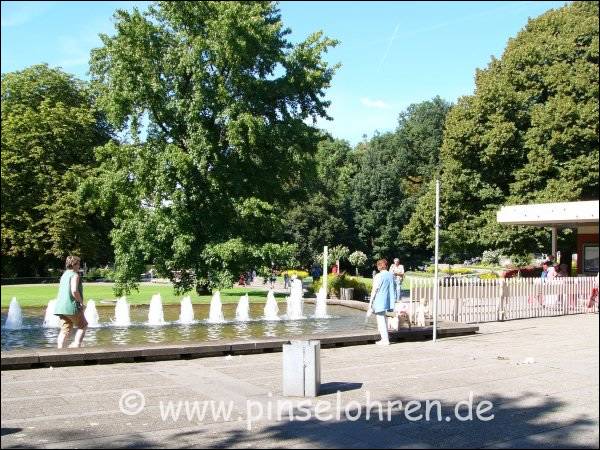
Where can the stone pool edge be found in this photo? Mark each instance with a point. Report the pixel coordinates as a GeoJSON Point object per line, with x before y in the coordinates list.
{"type": "Point", "coordinates": [43, 358]}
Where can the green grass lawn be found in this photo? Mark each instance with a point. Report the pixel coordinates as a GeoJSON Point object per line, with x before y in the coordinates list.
{"type": "Point", "coordinates": [32, 295]}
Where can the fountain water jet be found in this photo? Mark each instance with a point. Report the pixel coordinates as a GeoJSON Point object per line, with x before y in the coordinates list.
{"type": "Point", "coordinates": [243, 308]}
{"type": "Point", "coordinates": [14, 320]}
{"type": "Point", "coordinates": [91, 314]}
{"type": "Point", "coordinates": [186, 315]}
{"type": "Point", "coordinates": [295, 302]}
{"type": "Point", "coordinates": [122, 313]}
{"type": "Point", "coordinates": [155, 314]}
{"type": "Point", "coordinates": [50, 320]}
{"type": "Point", "coordinates": [215, 315]}
{"type": "Point", "coordinates": [321, 305]}
{"type": "Point", "coordinates": [271, 310]}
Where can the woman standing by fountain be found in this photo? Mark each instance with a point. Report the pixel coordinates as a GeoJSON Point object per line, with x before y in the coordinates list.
{"type": "Point", "coordinates": [69, 303]}
{"type": "Point", "coordinates": [382, 299]}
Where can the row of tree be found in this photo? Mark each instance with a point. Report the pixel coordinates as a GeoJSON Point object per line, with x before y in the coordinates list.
{"type": "Point", "coordinates": [191, 149]}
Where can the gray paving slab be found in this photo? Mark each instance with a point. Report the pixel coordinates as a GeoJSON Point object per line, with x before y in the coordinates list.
{"type": "Point", "coordinates": [540, 375]}
{"type": "Point", "coordinates": [25, 359]}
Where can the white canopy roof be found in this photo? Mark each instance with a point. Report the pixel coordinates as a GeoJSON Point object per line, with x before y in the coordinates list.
{"type": "Point", "coordinates": [548, 214]}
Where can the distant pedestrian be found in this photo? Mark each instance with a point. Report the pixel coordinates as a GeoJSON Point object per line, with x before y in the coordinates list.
{"type": "Point", "coordinates": [545, 266]}
{"type": "Point", "coordinates": [552, 271]}
{"type": "Point", "coordinates": [397, 270]}
{"type": "Point", "coordinates": [563, 271]}
{"type": "Point", "coordinates": [316, 273]}
{"type": "Point", "coordinates": [286, 280]}
{"type": "Point", "coordinates": [69, 304]}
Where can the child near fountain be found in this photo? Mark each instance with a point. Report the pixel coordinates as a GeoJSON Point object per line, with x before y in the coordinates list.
{"type": "Point", "coordinates": [69, 304]}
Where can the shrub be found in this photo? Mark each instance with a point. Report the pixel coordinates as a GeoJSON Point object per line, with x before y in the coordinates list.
{"type": "Point", "coordinates": [524, 272]}
{"type": "Point", "coordinates": [340, 252]}
{"type": "Point", "coordinates": [361, 286]}
{"type": "Point", "coordinates": [96, 273]}
{"type": "Point", "coordinates": [453, 271]}
{"type": "Point", "coordinates": [520, 260]}
{"type": "Point", "coordinates": [488, 276]}
{"type": "Point", "coordinates": [299, 273]}
{"type": "Point", "coordinates": [491, 257]}
{"type": "Point", "coordinates": [357, 259]}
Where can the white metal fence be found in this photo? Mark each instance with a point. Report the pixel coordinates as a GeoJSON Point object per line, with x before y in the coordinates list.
{"type": "Point", "coordinates": [472, 300]}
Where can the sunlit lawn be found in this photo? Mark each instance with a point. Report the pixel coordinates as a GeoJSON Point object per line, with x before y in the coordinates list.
{"type": "Point", "coordinates": [39, 294]}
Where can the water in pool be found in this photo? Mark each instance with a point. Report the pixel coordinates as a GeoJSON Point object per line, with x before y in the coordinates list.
{"type": "Point", "coordinates": [109, 332]}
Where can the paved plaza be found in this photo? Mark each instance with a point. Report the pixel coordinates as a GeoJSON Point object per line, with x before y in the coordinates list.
{"type": "Point", "coordinates": [540, 375]}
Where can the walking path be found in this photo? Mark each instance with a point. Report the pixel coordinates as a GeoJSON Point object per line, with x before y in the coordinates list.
{"type": "Point", "coordinates": [540, 375]}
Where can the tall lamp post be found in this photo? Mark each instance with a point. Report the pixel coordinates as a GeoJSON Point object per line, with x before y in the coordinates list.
{"type": "Point", "coordinates": [436, 290]}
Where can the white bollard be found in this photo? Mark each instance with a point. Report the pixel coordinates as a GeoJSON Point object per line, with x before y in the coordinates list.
{"type": "Point", "coordinates": [301, 368]}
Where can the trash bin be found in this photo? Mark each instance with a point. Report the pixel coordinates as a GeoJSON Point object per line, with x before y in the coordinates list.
{"type": "Point", "coordinates": [301, 368]}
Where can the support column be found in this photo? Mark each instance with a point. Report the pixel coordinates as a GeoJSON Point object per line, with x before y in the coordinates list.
{"type": "Point", "coordinates": [554, 240]}
{"type": "Point", "coordinates": [325, 267]}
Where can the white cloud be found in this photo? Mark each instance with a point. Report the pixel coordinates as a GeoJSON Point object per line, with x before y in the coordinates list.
{"type": "Point", "coordinates": [377, 104]}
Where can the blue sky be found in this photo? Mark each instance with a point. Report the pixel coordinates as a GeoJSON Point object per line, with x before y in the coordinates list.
{"type": "Point", "coordinates": [392, 53]}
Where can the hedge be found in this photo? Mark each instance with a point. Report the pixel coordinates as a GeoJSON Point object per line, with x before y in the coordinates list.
{"type": "Point", "coordinates": [361, 286]}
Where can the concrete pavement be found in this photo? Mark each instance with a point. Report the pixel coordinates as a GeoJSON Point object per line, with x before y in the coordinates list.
{"type": "Point", "coordinates": [539, 375]}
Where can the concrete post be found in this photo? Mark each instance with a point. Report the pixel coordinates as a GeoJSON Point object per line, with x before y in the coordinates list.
{"type": "Point", "coordinates": [301, 368]}
{"type": "Point", "coordinates": [325, 270]}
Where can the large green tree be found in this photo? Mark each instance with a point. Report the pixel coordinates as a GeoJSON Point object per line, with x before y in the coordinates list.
{"type": "Point", "coordinates": [528, 134]}
{"type": "Point", "coordinates": [324, 218]}
{"type": "Point", "coordinates": [50, 127]}
{"type": "Point", "coordinates": [227, 100]}
{"type": "Point", "coordinates": [394, 171]}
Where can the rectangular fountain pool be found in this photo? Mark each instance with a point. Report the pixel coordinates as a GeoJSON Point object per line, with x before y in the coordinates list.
{"type": "Point", "coordinates": [34, 335]}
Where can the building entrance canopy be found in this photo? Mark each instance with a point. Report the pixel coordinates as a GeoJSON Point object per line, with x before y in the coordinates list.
{"type": "Point", "coordinates": [564, 215]}
{"type": "Point", "coordinates": [582, 216]}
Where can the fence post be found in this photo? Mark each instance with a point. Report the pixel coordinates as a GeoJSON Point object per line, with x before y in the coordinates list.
{"type": "Point", "coordinates": [564, 295]}
{"type": "Point", "coordinates": [502, 304]}
{"type": "Point", "coordinates": [456, 300]}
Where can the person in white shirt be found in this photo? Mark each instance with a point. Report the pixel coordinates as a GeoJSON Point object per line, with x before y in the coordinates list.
{"type": "Point", "coordinates": [552, 272]}
{"type": "Point", "coordinates": [397, 270]}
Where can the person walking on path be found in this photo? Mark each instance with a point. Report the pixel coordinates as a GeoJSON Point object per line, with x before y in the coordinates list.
{"type": "Point", "coordinates": [545, 266]}
{"type": "Point", "coordinates": [397, 270]}
{"type": "Point", "coordinates": [69, 304]}
{"type": "Point", "coordinates": [382, 299]}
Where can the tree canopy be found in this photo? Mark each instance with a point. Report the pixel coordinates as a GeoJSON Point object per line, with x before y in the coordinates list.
{"type": "Point", "coordinates": [528, 134]}
{"type": "Point", "coordinates": [50, 126]}
{"type": "Point", "coordinates": [394, 170]}
{"type": "Point", "coordinates": [324, 217]}
{"type": "Point", "coordinates": [195, 148]}
{"type": "Point", "coordinates": [226, 99]}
